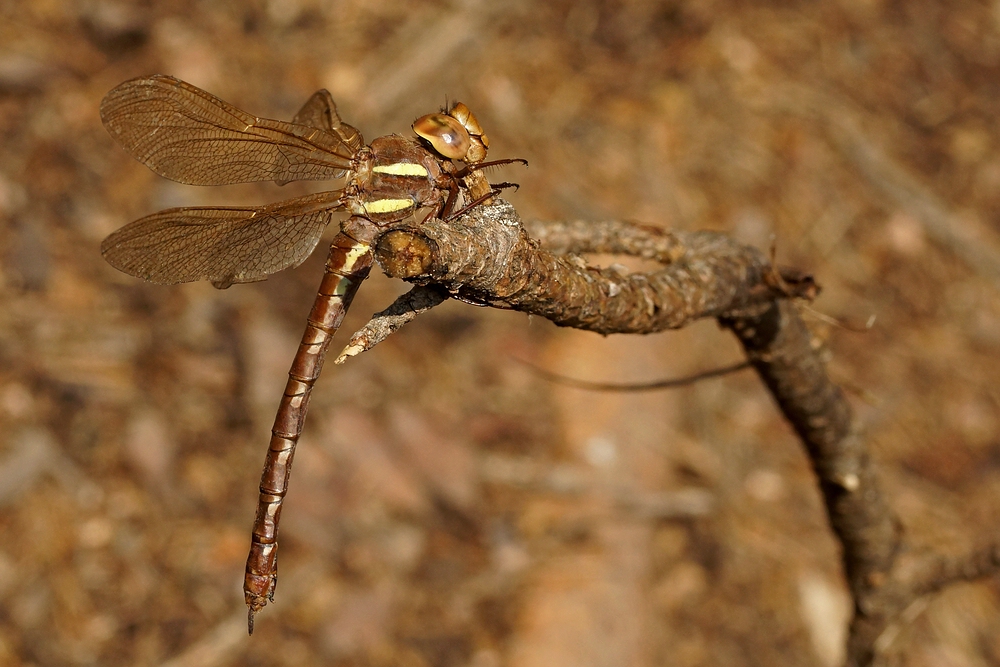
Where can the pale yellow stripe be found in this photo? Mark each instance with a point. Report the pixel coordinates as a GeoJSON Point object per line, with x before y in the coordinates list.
{"type": "Point", "coordinates": [387, 205]}
{"type": "Point", "coordinates": [401, 169]}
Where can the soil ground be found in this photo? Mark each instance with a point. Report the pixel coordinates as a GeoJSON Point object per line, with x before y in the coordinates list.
{"type": "Point", "coordinates": [448, 505]}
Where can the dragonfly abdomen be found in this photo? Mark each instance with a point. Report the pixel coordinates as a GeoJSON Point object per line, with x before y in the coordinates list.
{"type": "Point", "coordinates": [347, 266]}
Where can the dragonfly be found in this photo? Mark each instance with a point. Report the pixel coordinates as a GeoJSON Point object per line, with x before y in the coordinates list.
{"type": "Point", "coordinates": [186, 134]}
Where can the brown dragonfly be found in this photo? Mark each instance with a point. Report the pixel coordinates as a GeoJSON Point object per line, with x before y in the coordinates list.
{"type": "Point", "coordinates": [188, 135]}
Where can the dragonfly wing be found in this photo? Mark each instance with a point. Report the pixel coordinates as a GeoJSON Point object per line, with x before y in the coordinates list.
{"type": "Point", "coordinates": [188, 135]}
{"type": "Point", "coordinates": [223, 245]}
{"type": "Point", "coordinates": [320, 112]}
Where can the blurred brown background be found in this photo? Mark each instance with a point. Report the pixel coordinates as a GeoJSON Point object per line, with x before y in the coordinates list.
{"type": "Point", "coordinates": [448, 506]}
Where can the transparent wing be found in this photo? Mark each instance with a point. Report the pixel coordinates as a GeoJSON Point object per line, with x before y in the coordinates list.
{"type": "Point", "coordinates": [188, 135]}
{"type": "Point", "coordinates": [224, 245]}
{"type": "Point", "coordinates": [320, 112]}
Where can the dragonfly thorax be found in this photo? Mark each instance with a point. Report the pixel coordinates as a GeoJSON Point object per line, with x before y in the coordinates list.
{"type": "Point", "coordinates": [395, 178]}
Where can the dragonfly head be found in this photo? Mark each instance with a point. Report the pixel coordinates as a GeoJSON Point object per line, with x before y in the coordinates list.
{"type": "Point", "coordinates": [445, 134]}
{"type": "Point", "coordinates": [455, 134]}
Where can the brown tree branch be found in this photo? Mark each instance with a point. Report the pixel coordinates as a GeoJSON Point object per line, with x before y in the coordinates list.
{"type": "Point", "coordinates": [780, 348]}
{"type": "Point", "coordinates": [487, 257]}
{"type": "Point", "coordinates": [941, 571]}
{"type": "Point", "coordinates": [384, 323]}
{"type": "Point", "coordinates": [629, 387]}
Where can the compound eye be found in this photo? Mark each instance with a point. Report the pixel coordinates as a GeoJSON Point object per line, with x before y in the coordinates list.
{"type": "Point", "coordinates": [464, 115]}
{"type": "Point", "coordinates": [445, 134]}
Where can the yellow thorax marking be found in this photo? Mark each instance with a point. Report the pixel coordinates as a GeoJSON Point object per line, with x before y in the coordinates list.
{"type": "Point", "coordinates": [387, 205]}
{"type": "Point", "coordinates": [401, 169]}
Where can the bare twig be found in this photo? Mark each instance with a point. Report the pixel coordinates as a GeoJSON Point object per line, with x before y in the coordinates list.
{"type": "Point", "coordinates": [939, 572]}
{"type": "Point", "coordinates": [487, 257]}
{"type": "Point", "coordinates": [636, 386]}
{"type": "Point", "coordinates": [780, 348]}
{"type": "Point", "coordinates": [383, 324]}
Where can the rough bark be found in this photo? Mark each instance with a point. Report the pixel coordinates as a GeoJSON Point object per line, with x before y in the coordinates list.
{"type": "Point", "coordinates": [487, 257]}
